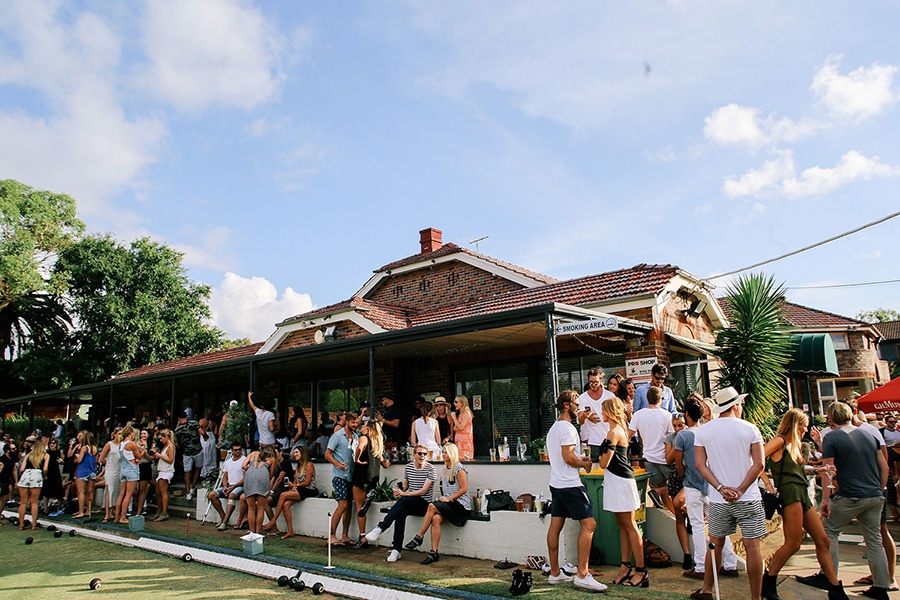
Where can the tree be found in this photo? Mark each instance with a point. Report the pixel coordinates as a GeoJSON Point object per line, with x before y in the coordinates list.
{"type": "Point", "coordinates": [756, 348]}
{"type": "Point", "coordinates": [879, 315]}
{"type": "Point", "coordinates": [34, 227]}
{"type": "Point", "coordinates": [131, 306]}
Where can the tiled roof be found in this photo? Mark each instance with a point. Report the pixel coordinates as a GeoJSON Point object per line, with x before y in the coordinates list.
{"type": "Point", "coordinates": [450, 248]}
{"type": "Point", "coordinates": [889, 329]}
{"type": "Point", "coordinates": [385, 315]}
{"type": "Point", "coordinates": [803, 317]}
{"type": "Point", "coordinates": [194, 361]}
{"type": "Point", "coordinates": [636, 281]}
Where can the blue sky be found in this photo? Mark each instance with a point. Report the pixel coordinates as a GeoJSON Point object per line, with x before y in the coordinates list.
{"type": "Point", "coordinates": [290, 148]}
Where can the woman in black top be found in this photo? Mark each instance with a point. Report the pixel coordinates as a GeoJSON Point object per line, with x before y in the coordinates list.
{"type": "Point", "coordinates": [444, 418]}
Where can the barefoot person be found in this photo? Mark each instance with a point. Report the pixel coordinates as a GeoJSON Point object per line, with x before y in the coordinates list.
{"type": "Point", "coordinates": [570, 498]}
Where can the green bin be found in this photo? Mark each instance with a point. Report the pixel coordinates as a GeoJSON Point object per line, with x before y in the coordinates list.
{"type": "Point", "coordinates": [606, 536]}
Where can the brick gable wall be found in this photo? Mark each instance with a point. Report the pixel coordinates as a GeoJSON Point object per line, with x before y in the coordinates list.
{"type": "Point", "coordinates": [305, 337]}
{"type": "Point", "coordinates": [441, 285]}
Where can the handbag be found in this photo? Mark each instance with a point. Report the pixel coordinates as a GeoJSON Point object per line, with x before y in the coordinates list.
{"type": "Point", "coordinates": [500, 500]}
{"type": "Point", "coordinates": [771, 503]}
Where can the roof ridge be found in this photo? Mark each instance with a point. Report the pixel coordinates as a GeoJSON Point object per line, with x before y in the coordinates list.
{"type": "Point", "coordinates": [825, 312]}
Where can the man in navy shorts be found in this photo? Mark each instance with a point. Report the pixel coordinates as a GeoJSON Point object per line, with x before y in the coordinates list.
{"type": "Point", "coordinates": [570, 498]}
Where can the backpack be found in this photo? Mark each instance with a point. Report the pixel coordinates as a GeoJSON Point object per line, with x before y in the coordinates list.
{"type": "Point", "coordinates": [521, 582]}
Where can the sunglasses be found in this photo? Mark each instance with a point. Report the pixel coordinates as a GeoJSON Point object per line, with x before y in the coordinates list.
{"type": "Point", "coordinates": [421, 454]}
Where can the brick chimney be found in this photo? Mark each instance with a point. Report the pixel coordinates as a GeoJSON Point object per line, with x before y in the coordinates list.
{"type": "Point", "coordinates": [431, 239]}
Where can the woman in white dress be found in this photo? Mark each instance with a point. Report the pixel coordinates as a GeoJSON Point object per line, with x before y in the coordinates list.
{"type": "Point", "coordinates": [620, 494]}
{"type": "Point", "coordinates": [110, 456]}
{"type": "Point", "coordinates": [425, 432]}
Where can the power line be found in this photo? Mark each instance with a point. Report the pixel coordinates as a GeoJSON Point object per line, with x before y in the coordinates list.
{"type": "Point", "coordinates": [843, 285]}
{"type": "Point", "coordinates": [810, 247]}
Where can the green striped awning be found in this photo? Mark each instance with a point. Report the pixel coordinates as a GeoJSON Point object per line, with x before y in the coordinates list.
{"type": "Point", "coordinates": [813, 354]}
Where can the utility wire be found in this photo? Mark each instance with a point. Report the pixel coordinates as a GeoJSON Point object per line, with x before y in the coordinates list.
{"type": "Point", "coordinates": [843, 285]}
{"type": "Point", "coordinates": [810, 247]}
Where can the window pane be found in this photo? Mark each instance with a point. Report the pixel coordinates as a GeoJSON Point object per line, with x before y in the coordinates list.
{"type": "Point", "coordinates": [472, 383]}
{"type": "Point", "coordinates": [511, 410]}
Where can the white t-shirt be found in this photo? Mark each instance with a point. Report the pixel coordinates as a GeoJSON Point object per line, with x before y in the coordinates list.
{"type": "Point", "coordinates": [653, 424]}
{"type": "Point", "coordinates": [891, 438]}
{"type": "Point", "coordinates": [562, 474]}
{"type": "Point", "coordinates": [727, 441]}
{"type": "Point", "coordinates": [263, 417]}
{"type": "Point", "coordinates": [233, 469]}
{"type": "Point", "coordinates": [594, 433]}
{"type": "Point", "coordinates": [425, 433]}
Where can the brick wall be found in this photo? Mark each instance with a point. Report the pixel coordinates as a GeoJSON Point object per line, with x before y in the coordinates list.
{"type": "Point", "coordinates": [305, 337]}
{"type": "Point", "coordinates": [443, 284]}
{"type": "Point", "coordinates": [860, 360]}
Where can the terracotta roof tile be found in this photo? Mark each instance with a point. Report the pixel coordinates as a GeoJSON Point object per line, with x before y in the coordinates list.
{"type": "Point", "coordinates": [451, 248]}
{"type": "Point", "coordinates": [385, 315]}
{"type": "Point", "coordinates": [889, 329]}
{"type": "Point", "coordinates": [802, 317]}
{"type": "Point", "coordinates": [636, 281]}
{"type": "Point", "coordinates": [194, 361]}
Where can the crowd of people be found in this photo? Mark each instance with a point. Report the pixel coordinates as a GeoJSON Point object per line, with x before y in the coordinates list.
{"type": "Point", "coordinates": [706, 464]}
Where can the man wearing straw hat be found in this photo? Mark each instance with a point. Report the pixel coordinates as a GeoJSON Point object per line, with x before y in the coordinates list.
{"type": "Point", "coordinates": [729, 454]}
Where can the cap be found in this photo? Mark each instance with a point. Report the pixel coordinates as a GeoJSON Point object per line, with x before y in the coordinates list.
{"type": "Point", "coordinates": [189, 413]}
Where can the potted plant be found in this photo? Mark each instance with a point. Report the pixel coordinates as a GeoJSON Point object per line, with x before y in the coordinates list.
{"type": "Point", "coordinates": [538, 448]}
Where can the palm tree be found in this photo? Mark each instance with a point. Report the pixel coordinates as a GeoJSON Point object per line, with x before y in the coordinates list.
{"type": "Point", "coordinates": [756, 347]}
{"type": "Point", "coordinates": [33, 317]}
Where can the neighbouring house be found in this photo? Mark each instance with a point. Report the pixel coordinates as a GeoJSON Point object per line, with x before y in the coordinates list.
{"type": "Point", "coordinates": [860, 367]}
{"type": "Point", "coordinates": [443, 321]}
{"type": "Point", "coordinates": [889, 349]}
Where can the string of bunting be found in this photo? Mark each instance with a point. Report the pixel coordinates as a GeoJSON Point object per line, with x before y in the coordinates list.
{"type": "Point", "coordinates": [596, 350]}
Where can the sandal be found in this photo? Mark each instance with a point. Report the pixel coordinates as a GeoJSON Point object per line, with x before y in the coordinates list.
{"type": "Point", "coordinates": [867, 580]}
{"type": "Point", "coordinates": [643, 582]}
{"type": "Point", "coordinates": [627, 576]}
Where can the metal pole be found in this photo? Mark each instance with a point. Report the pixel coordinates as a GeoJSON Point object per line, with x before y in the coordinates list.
{"type": "Point", "coordinates": [552, 366]}
{"type": "Point", "coordinates": [372, 379]}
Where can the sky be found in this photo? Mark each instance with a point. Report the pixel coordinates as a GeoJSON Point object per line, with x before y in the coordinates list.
{"type": "Point", "coordinates": [290, 148]}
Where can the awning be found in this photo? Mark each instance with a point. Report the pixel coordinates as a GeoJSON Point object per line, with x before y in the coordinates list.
{"type": "Point", "coordinates": [702, 347]}
{"type": "Point", "coordinates": [813, 354]}
{"type": "Point", "coordinates": [883, 399]}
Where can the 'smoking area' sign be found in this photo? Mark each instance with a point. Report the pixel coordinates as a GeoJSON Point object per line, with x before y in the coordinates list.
{"type": "Point", "coordinates": [586, 326]}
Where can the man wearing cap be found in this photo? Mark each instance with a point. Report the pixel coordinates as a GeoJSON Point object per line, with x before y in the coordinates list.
{"type": "Point", "coordinates": [659, 373]}
{"type": "Point", "coordinates": [590, 419]}
{"type": "Point", "coordinates": [729, 454]}
{"type": "Point", "coordinates": [187, 438]}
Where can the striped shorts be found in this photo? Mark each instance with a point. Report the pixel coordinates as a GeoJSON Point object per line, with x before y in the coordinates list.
{"type": "Point", "coordinates": [725, 517]}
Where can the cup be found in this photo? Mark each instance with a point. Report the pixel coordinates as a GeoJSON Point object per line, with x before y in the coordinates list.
{"type": "Point", "coordinates": [526, 505]}
{"type": "Point", "coordinates": [519, 505]}
{"type": "Point", "coordinates": [539, 505]}
{"type": "Point", "coordinates": [493, 455]}
{"type": "Point", "coordinates": [430, 455]}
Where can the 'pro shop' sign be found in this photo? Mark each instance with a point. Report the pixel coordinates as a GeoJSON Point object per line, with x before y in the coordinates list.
{"type": "Point", "coordinates": [586, 326]}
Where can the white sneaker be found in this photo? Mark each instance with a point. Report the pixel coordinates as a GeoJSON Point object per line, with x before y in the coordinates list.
{"type": "Point", "coordinates": [222, 526]}
{"type": "Point", "coordinates": [394, 556]}
{"type": "Point", "coordinates": [589, 583]}
{"type": "Point", "coordinates": [561, 578]}
{"type": "Point", "coordinates": [372, 536]}
{"type": "Point", "coordinates": [569, 569]}
{"type": "Point", "coordinates": [190, 495]}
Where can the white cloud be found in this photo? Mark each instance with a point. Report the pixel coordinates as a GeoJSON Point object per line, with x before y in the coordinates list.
{"type": "Point", "coordinates": [777, 177]}
{"type": "Point", "coordinates": [214, 250]}
{"type": "Point", "coordinates": [85, 144]}
{"type": "Point", "coordinates": [736, 125]}
{"type": "Point", "coordinates": [250, 308]}
{"type": "Point", "coordinates": [204, 52]}
{"type": "Point", "coordinates": [861, 94]}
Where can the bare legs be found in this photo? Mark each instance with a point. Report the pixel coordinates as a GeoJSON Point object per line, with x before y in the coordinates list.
{"type": "Point", "coordinates": [162, 495]}
{"type": "Point", "coordinates": [585, 537]}
{"type": "Point", "coordinates": [256, 511]}
{"type": "Point", "coordinates": [29, 495]}
{"type": "Point", "coordinates": [337, 517]}
{"type": "Point", "coordinates": [632, 544]}
{"type": "Point", "coordinates": [285, 502]}
{"type": "Point", "coordinates": [359, 496]}
{"type": "Point", "coordinates": [125, 495]}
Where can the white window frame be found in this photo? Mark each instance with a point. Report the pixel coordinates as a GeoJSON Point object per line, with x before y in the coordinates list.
{"type": "Point", "coordinates": [840, 341]}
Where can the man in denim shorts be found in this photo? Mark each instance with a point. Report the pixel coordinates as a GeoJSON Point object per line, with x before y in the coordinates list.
{"type": "Point", "coordinates": [340, 453]}
{"type": "Point", "coordinates": [570, 498]}
{"type": "Point", "coordinates": [729, 455]}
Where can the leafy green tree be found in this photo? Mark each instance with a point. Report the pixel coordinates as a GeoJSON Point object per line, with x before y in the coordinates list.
{"type": "Point", "coordinates": [756, 347]}
{"type": "Point", "coordinates": [131, 306]}
{"type": "Point", "coordinates": [879, 315]}
{"type": "Point", "coordinates": [34, 227]}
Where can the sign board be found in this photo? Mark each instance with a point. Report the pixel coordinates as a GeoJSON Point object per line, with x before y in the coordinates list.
{"type": "Point", "coordinates": [640, 369]}
{"type": "Point", "coordinates": [586, 326]}
{"type": "Point", "coordinates": [476, 402]}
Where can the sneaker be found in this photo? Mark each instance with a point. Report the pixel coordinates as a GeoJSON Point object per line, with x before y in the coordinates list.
{"type": "Point", "coordinates": [561, 578]}
{"type": "Point", "coordinates": [589, 583]}
{"type": "Point", "coordinates": [394, 556]}
{"type": "Point", "coordinates": [222, 526]}
{"type": "Point", "coordinates": [569, 569]}
{"type": "Point", "coordinates": [818, 580]}
{"type": "Point", "coordinates": [190, 495]}
{"type": "Point", "coordinates": [162, 517]}
{"type": "Point", "coordinates": [372, 537]}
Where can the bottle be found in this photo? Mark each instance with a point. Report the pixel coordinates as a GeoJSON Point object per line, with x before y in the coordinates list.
{"type": "Point", "coordinates": [521, 449]}
{"type": "Point", "coordinates": [505, 449]}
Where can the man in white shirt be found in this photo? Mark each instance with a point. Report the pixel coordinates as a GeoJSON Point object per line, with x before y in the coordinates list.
{"type": "Point", "coordinates": [231, 488]}
{"type": "Point", "coordinates": [653, 424]}
{"type": "Point", "coordinates": [593, 427]}
{"type": "Point", "coordinates": [729, 454]}
{"type": "Point", "coordinates": [265, 422]}
{"type": "Point", "coordinates": [570, 498]}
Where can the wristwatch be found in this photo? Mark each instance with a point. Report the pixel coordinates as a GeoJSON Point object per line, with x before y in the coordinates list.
{"type": "Point", "coordinates": [719, 488]}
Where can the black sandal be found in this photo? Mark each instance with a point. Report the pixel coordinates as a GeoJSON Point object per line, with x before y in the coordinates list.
{"type": "Point", "coordinates": [621, 580]}
{"type": "Point", "coordinates": [644, 581]}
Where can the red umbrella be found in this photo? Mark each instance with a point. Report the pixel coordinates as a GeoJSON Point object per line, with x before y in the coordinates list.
{"type": "Point", "coordinates": [883, 399]}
